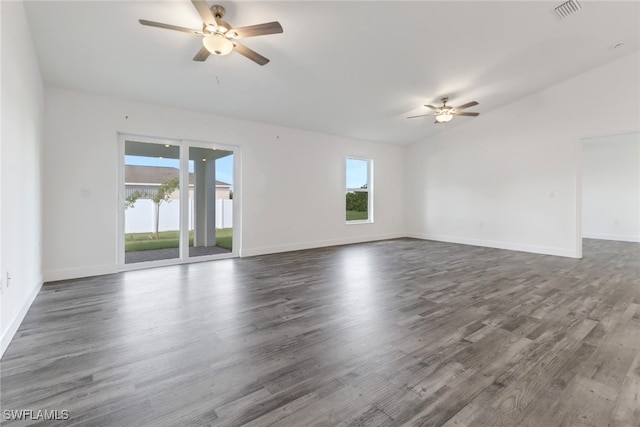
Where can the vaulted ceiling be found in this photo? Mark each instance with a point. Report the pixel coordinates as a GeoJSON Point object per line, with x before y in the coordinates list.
{"type": "Point", "coordinates": [350, 68]}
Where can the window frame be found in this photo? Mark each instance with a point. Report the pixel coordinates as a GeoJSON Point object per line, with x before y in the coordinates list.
{"type": "Point", "coordinates": [368, 190]}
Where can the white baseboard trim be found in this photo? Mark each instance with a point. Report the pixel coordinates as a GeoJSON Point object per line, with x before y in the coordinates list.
{"type": "Point", "coordinates": [14, 324]}
{"type": "Point", "coordinates": [265, 250]}
{"type": "Point", "coordinates": [544, 250]}
{"type": "Point", "coordinates": [76, 273]}
{"type": "Point", "coordinates": [616, 237]}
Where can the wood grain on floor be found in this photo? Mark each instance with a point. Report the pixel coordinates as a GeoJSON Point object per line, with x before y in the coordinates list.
{"type": "Point", "coordinates": [398, 332]}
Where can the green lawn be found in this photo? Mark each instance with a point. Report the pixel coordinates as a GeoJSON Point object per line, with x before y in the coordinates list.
{"type": "Point", "coordinates": [357, 215]}
{"type": "Point", "coordinates": [169, 239]}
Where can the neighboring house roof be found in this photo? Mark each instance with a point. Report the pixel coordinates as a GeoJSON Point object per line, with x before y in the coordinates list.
{"type": "Point", "coordinates": [148, 174]}
{"type": "Point", "coordinates": [134, 174]}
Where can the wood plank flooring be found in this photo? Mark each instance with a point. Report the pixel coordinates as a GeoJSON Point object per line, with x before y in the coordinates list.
{"type": "Point", "coordinates": [398, 332]}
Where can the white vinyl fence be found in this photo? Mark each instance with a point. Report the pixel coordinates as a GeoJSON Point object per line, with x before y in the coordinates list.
{"type": "Point", "coordinates": [142, 217]}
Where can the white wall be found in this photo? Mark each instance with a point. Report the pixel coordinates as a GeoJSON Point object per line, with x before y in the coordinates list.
{"type": "Point", "coordinates": [20, 220]}
{"type": "Point", "coordinates": [611, 187]}
{"type": "Point", "coordinates": [508, 178]}
{"type": "Point", "coordinates": [292, 181]}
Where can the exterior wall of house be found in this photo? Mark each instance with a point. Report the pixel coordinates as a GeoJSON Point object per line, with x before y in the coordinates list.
{"type": "Point", "coordinates": [291, 186]}
{"type": "Point", "coordinates": [222, 193]}
{"type": "Point", "coordinates": [20, 189]}
{"type": "Point", "coordinates": [511, 177]}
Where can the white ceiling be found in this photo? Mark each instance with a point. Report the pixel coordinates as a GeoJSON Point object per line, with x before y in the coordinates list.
{"type": "Point", "coordinates": [350, 68]}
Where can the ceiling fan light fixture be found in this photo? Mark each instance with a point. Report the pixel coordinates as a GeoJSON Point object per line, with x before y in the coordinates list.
{"type": "Point", "coordinates": [223, 27]}
{"type": "Point", "coordinates": [444, 117]}
{"type": "Point", "coordinates": [218, 37]}
{"type": "Point", "coordinates": [217, 44]}
{"type": "Point", "coordinates": [445, 114]}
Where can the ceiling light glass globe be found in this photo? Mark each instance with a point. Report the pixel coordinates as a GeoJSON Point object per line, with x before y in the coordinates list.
{"type": "Point", "coordinates": [444, 118]}
{"type": "Point", "coordinates": [217, 44]}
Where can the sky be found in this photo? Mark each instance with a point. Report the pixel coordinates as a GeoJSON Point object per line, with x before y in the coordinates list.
{"type": "Point", "coordinates": [356, 173]}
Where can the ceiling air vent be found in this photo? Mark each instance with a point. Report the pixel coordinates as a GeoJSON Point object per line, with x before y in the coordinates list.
{"type": "Point", "coordinates": [568, 8]}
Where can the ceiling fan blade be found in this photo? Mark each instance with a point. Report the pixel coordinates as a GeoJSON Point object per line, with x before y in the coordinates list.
{"type": "Point", "coordinates": [252, 55]}
{"type": "Point", "coordinates": [421, 115]}
{"type": "Point", "coordinates": [467, 114]}
{"type": "Point", "coordinates": [202, 54]}
{"type": "Point", "coordinates": [258, 30]}
{"type": "Point", "coordinates": [204, 11]}
{"type": "Point", "coordinates": [169, 27]}
{"type": "Point", "coordinates": [432, 107]}
{"type": "Point", "coordinates": [467, 105]}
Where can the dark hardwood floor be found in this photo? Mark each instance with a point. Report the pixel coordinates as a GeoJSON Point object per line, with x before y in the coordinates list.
{"type": "Point", "coordinates": [399, 332]}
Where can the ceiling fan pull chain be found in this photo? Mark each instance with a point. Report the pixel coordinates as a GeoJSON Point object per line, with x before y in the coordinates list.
{"type": "Point", "coordinates": [215, 67]}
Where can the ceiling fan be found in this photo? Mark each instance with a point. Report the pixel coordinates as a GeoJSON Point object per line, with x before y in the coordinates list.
{"type": "Point", "coordinates": [220, 38]}
{"type": "Point", "coordinates": [445, 113]}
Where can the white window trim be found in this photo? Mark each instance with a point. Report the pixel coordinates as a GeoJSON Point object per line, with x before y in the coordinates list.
{"type": "Point", "coordinates": [368, 190]}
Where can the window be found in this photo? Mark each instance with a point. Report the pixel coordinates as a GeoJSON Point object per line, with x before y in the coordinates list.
{"type": "Point", "coordinates": [359, 190]}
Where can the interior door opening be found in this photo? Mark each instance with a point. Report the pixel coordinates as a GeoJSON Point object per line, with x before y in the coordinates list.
{"type": "Point", "coordinates": [609, 192]}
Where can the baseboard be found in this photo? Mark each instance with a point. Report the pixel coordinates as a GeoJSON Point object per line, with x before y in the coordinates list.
{"type": "Point", "coordinates": [616, 237]}
{"type": "Point", "coordinates": [14, 324]}
{"type": "Point", "coordinates": [544, 250]}
{"type": "Point", "coordinates": [76, 273]}
{"type": "Point", "coordinates": [265, 250]}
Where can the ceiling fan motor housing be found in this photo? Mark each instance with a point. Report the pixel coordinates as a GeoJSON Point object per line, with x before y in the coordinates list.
{"type": "Point", "coordinates": [217, 11]}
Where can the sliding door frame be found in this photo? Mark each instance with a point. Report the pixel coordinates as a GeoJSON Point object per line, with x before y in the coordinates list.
{"type": "Point", "coordinates": [184, 146]}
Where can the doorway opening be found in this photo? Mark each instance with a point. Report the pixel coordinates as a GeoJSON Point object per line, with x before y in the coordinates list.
{"type": "Point", "coordinates": [609, 201]}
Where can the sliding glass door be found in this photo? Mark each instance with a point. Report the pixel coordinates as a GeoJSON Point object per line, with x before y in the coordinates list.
{"type": "Point", "coordinates": [210, 201]}
{"type": "Point", "coordinates": [151, 202]}
{"type": "Point", "coordinates": [177, 201]}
